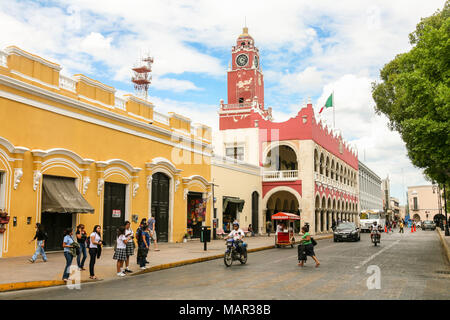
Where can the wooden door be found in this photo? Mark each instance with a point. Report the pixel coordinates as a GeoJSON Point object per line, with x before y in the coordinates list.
{"type": "Point", "coordinates": [160, 205]}
{"type": "Point", "coordinates": [113, 211]}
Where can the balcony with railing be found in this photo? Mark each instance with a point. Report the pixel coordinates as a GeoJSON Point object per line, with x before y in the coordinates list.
{"type": "Point", "coordinates": [120, 103]}
{"type": "Point", "coordinates": [234, 106]}
{"type": "Point", "coordinates": [67, 83]}
{"type": "Point", "coordinates": [282, 175]}
{"type": "Point", "coordinates": [161, 118]}
{"type": "Point", "coordinates": [3, 59]}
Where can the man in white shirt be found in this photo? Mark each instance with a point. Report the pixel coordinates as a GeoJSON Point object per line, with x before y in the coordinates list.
{"type": "Point", "coordinates": [237, 234]}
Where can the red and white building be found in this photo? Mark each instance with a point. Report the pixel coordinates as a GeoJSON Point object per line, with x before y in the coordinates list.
{"type": "Point", "coordinates": [305, 166]}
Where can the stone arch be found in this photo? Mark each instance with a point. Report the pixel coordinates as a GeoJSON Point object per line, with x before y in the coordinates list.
{"type": "Point", "coordinates": [316, 160]}
{"type": "Point", "coordinates": [321, 163]}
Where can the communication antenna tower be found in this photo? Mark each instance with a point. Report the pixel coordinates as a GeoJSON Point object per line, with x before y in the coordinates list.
{"type": "Point", "coordinates": [142, 77]}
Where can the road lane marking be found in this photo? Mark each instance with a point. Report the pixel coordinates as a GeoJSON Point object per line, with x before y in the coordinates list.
{"type": "Point", "coordinates": [296, 256]}
{"type": "Point", "coordinates": [376, 254]}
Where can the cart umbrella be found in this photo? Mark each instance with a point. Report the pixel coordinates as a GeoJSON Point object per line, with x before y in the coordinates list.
{"type": "Point", "coordinates": [285, 216]}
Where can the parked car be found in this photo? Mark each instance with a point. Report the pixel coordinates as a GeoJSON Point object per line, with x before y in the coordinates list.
{"type": "Point", "coordinates": [347, 231]}
{"type": "Point", "coordinates": [418, 224]}
{"type": "Point", "coordinates": [429, 224]}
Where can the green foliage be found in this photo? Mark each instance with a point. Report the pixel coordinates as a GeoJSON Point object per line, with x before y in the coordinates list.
{"type": "Point", "coordinates": [415, 95]}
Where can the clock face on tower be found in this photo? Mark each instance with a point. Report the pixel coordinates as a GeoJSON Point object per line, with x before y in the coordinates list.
{"type": "Point", "coordinates": [241, 60]}
{"type": "Point", "coordinates": [256, 62]}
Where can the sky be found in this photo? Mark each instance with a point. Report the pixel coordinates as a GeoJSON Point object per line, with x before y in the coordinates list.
{"type": "Point", "coordinates": [308, 49]}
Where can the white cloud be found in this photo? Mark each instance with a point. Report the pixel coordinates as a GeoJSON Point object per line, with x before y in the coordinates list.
{"type": "Point", "coordinates": [174, 84]}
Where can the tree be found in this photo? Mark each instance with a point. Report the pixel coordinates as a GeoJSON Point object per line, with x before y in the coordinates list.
{"type": "Point", "coordinates": [415, 95]}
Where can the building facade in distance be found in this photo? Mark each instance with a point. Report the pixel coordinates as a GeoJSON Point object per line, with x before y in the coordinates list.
{"type": "Point", "coordinates": [370, 193]}
{"type": "Point", "coordinates": [424, 203]}
{"type": "Point", "coordinates": [307, 168]}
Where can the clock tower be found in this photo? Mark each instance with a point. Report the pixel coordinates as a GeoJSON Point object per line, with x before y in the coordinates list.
{"type": "Point", "coordinates": [245, 78]}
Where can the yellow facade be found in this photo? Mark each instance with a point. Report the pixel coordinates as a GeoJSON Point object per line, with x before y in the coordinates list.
{"type": "Point", "coordinates": [238, 180]}
{"type": "Point", "coordinates": [79, 130]}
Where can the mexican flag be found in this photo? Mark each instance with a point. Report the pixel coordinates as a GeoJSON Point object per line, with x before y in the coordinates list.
{"type": "Point", "coordinates": [328, 104]}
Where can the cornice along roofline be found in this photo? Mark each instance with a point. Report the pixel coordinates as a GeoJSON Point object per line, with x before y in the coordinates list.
{"type": "Point", "coordinates": [16, 50]}
{"type": "Point", "coordinates": [95, 83]}
{"type": "Point", "coordinates": [24, 86]}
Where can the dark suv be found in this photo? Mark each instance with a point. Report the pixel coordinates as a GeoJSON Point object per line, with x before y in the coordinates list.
{"type": "Point", "coordinates": [428, 224]}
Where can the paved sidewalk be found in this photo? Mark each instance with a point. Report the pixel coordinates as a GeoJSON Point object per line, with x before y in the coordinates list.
{"type": "Point", "coordinates": [20, 270]}
{"type": "Point", "coordinates": [445, 243]}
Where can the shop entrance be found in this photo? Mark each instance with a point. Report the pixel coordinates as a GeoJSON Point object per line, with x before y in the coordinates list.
{"type": "Point", "coordinates": [160, 205]}
{"type": "Point", "coordinates": [54, 225]}
{"type": "Point", "coordinates": [113, 211]}
{"type": "Point", "coordinates": [60, 200]}
{"type": "Point", "coordinates": [196, 213]}
{"type": "Point", "coordinates": [231, 206]}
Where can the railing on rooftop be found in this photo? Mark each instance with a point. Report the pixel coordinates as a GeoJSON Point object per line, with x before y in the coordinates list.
{"type": "Point", "coordinates": [3, 59]}
{"type": "Point", "coordinates": [236, 105]}
{"type": "Point", "coordinates": [161, 118]}
{"type": "Point", "coordinates": [119, 103]}
{"type": "Point", "coordinates": [67, 83]}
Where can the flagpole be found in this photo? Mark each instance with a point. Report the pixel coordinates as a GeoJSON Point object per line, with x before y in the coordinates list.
{"type": "Point", "coordinates": [332, 101]}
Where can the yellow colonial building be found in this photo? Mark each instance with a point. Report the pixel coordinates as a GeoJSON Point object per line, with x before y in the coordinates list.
{"type": "Point", "coordinates": [65, 140]}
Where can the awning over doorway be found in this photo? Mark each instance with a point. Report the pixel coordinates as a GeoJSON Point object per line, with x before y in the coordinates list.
{"type": "Point", "coordinates": [59, 195]}
{"type": "Point", "coordinates": [239, 202]}
{"type": "Point", "coordinates": [285, 216]}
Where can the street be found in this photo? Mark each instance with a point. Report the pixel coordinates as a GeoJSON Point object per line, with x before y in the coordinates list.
{"type": "Point", "coordinates": [411, 267]}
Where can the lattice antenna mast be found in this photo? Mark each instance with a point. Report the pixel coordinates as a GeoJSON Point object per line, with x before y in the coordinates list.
{"type": "Point", "coordinates": [142, 77]}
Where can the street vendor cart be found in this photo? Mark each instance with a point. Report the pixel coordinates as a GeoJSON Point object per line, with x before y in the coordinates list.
{"type": "Point", "coordinates": [285, 236]}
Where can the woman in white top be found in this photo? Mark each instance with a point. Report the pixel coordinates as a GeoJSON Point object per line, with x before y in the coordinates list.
{"type": "Point", "coordinates": [121, 250]}
{"type": "Point", "coordinates": [130, 245]}
{"type": "Point", "coordinates": [94, 243]}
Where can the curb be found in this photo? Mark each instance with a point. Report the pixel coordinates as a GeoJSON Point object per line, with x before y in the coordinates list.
{"type": "Point", "coordinates": [444, 246]}
{"type": "Point", "coordinates": [15, 286]}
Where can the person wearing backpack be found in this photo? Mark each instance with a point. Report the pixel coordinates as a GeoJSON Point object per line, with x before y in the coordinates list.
{"type": "Point", "coordinates": [95, 245]}
{"type": "Point", "coordinates": [308, 242]}
{"type": "Point", "coordinates": [41, 237]}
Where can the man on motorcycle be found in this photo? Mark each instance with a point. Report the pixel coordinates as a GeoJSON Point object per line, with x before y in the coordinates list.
{"type": "Point", "coordinates": [237, 234]}
{"type": "Point", "coordinates": [374, 229]}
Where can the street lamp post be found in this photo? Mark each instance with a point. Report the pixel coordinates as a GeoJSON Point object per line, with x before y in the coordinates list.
{"type": "Point", "coordinates": [436, 188]}
{"type": "Point", "coordinates": [447, 232]}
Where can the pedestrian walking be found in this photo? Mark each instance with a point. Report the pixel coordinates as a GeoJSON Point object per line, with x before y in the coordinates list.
{"type": "Point", "coordinates": [120, 254]}
{"type": "Point", "coordinates": [401, 225]}
{"type": "Point", "coordinates": [152, 228]}
{"type": "Point", "coordinates": [95, 246]}
{"type": "Point", "coordinates": [268, 227]}
{"type": "Point", "coordinates": [130, 245]}
{"type": "Point", "coordinates": [81, 235]}
{"type": "Point", "coordinates": [308, 248]}
{"type": "Point", "coordinates": [333, 225]}
{"type": "Point", "coordinates": [41, 237]}
{"type": "Point", "coordinates": [250, 229]}
{"type": "Point", "coordinates": [67, 245]}
{"type": "Point", "coordinates": [144, 247]}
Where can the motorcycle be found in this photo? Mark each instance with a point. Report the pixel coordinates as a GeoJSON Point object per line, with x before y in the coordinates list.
{"type": "Point", "coordinates": [375, 237]}
{"type": "Point", "coordinates": [232, 254]}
